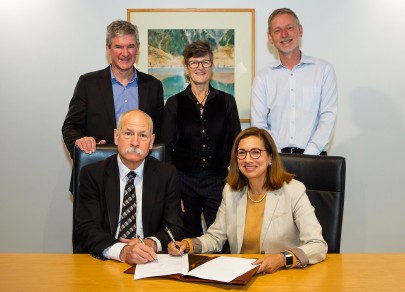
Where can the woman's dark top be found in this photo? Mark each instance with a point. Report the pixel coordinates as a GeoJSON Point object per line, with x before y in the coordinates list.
{"type": "Point", "coordinates": [200, 140]}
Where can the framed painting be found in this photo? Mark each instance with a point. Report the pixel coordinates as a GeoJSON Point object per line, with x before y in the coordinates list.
{"type": "Point", "coordinates": [163, 34]}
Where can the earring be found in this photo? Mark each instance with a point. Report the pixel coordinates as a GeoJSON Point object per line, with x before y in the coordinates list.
{"type": "Point", "coordinates": [270, 163]}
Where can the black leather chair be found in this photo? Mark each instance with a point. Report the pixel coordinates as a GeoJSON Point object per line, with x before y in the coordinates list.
{"type": "Point", "coordinates": [81, 159]}
{"type": "Point", "coordinates": [324, 178]}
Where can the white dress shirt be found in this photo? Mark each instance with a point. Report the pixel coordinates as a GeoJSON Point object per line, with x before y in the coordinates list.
{"type": "Point", "coordinates": [113, 252]}
{"type": "Point", "coordinates": [298, 107]}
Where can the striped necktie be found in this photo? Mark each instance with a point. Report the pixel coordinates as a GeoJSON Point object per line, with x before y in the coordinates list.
{"type": "Point", "coordinates": [128, 212]}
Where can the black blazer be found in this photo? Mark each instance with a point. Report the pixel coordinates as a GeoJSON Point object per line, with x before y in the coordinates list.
{"type": "Point", "coordinates": [91, 110]}
{"type": "Point", "coordinates": [98, 204]}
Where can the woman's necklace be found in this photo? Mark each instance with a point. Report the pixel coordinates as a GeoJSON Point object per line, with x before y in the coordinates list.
{"type": "Point", "coordinates": [200, 104]}
{"type": "Point", "coordinates": [256, 201]}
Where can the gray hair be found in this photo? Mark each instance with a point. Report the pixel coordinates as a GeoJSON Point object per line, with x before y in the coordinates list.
{"type": "Point", "coordinates": [121, 28]}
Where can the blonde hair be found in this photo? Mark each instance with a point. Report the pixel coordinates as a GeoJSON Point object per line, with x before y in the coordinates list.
{"type": "Point", "coordinates": [280, 11]}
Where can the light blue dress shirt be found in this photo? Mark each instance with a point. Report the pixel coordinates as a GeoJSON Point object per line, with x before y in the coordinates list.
{"type": "Point", "coordinates": [298, 107]}
{"type": "Point", "coordinates": [125, 97]}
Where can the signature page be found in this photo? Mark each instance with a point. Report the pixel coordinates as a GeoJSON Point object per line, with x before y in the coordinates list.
{"type": "Point", "coordinates": [223, 269]}
{"type": "Point", "coordinates": [165, 265]}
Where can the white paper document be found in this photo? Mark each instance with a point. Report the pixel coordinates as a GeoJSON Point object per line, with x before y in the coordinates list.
{"type": "Point", "coordinates": [165, 265]}
{"type": "Point", "coordinates": [223, 269]}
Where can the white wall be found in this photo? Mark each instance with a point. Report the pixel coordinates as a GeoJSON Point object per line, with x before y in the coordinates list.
{"type": "Point", "coordinates": [47, 44]}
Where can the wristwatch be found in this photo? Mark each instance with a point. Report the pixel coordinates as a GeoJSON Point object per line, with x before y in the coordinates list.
{"type": "Point", "coordinates": [288, 259]}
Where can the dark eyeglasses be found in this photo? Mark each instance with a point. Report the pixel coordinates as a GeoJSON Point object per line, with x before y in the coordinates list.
{"type": "Point", "coordinates": [254, 153]}
{"type": "Point", "coordinates": [204, 63]}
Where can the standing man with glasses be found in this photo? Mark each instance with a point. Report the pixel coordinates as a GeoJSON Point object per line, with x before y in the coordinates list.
{"type": "Point", "coordinates": [295, 98]}
{"type": "Point", "coordinates": [127, 197]}
{"type": "Point", "coordinates": [199, 127]}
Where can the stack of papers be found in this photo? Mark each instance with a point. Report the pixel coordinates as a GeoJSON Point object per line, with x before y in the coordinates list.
{"type": "Point", "coordinates": [223, 269]}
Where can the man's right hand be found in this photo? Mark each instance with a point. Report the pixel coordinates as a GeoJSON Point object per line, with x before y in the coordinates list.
{"type": "Point", "coordinates": [137, 253]}
{"type": "Point", "coordinates": [88, 144]}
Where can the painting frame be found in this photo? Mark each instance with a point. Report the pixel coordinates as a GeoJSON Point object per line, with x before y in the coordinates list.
{"type": "Point", "coordinates": [242, 20]}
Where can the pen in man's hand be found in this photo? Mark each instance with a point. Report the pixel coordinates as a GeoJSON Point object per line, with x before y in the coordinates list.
{"type": "Point", "coordinates": [140, 238]}
{"type": "Point", "coordinates": [143, 242]}
{"type": "Point", "coordinates": [172, 238]}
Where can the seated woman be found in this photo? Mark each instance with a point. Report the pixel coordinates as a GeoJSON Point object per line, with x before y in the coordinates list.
{"type": "Point", "coordinates": [263, 210]}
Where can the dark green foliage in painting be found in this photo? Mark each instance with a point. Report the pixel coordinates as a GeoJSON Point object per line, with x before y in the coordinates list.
{"type": "Point", "coordinates": [228, 39]}
{"type": "Point", "coordinates": [173, 41]}
{"type": "Point", "coordinates": [170, 41]}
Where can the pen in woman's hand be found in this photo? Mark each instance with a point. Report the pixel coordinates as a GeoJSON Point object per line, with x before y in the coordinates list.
{"type": "Point", "coordinates": [172, 239]}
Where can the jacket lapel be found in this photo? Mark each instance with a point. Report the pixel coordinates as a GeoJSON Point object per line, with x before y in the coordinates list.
{"type": "Point", "coordinates": [107, 96]}
{"type": "Point", "coordinates": [149, 193]}
{"type": "Point", "coordinates": [241, 218]}
{"type": "Point", "coordinates": [112, 195]}
{"type": "Point", "coordinates": [142, 92]}
{"type": "Point", "coordinates": [269, 211]}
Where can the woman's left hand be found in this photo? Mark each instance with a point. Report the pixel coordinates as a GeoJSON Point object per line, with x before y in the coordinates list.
{"type": "Point", "coordinates": [270, 263]}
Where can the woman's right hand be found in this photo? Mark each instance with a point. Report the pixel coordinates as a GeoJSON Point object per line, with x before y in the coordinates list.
{"type": "Point", "coordinates": [183, 245]}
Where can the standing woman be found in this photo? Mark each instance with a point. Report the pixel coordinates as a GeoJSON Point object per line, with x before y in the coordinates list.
{"type": "Point", "coordinates": [200, 125]}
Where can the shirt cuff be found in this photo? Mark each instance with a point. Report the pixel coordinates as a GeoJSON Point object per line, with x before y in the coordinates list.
{"type": "Point", "coordinates": [158, 244]}
{"type": "Point", "coordinates": [113, 252]}
{"type": "Point", "coordinates": [197, 245]}
{"type": "Point", "coordinates": [301, 256]}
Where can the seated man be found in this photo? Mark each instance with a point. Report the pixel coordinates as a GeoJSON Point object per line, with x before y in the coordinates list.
{"type": "Point", "coordinates": [127, 197]}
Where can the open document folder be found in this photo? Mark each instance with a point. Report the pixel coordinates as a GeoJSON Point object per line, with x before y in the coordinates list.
{"type": "Point", "coordinates": [198, 268]}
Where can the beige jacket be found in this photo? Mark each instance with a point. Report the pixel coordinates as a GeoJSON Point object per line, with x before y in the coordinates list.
{"type": "Point", "coordinates": [289, 222]}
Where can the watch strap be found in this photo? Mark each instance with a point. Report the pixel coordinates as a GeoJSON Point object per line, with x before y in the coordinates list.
{"type": "Point", "coordinates": [288, 259]}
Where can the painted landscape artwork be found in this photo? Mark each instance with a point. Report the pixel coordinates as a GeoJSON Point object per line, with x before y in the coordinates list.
{"type": "Point", "coordinates": [165, 59]}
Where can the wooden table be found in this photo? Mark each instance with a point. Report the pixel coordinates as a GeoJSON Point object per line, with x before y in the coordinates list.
{"type": "Point", "coordinates": [68, 272]}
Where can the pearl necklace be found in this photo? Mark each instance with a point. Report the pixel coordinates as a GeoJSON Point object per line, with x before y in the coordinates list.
{"type": "Point", "coordinates": [256, 201]}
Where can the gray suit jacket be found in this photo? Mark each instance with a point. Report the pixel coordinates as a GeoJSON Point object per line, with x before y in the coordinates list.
{"type": "Point", "coordinates": [289, 222]}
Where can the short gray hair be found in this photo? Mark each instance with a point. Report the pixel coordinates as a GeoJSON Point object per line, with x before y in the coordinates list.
{"type": "Point", "coordinates": [120, 28]}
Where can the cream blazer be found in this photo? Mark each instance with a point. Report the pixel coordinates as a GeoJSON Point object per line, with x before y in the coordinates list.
{"type": "Point", "coordinates": [289, 222]}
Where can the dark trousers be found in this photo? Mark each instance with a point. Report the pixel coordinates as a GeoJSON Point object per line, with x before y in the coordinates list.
{"type": "Point", "coordinates": [201, 194]}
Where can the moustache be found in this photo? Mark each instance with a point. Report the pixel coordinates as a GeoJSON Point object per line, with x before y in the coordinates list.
{"type": "Point", "coordinates": [134, 150]}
